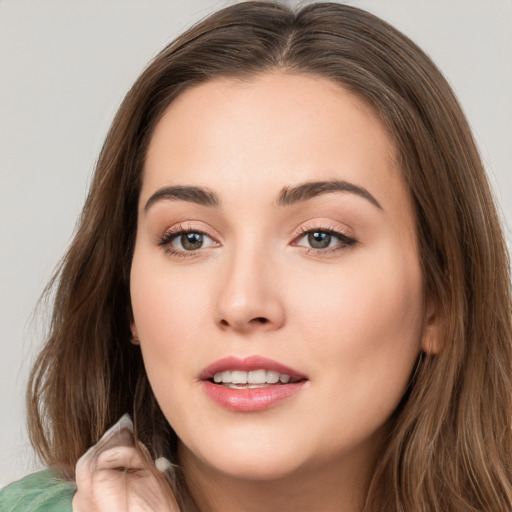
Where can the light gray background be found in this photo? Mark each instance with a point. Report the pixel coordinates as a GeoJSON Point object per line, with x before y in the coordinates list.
{"type": "Point", "coordinates": [64, 68]}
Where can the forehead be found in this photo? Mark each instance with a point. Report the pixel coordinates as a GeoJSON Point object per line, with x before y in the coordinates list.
{"type": "Point", "coordinates": [268, 132]}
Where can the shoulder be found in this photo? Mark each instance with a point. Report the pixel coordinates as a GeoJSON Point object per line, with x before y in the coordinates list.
{"type": "Point", "coordinates": [39, 492]}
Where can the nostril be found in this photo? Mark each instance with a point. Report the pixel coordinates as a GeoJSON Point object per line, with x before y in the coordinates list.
{"type": "Point", "coordinates": [239, 324]}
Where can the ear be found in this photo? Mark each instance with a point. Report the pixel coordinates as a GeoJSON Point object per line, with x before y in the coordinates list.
{"type": "Point", "coordinates": [431, 339]}
{"type": "Point", "coordinates": [135, 334]}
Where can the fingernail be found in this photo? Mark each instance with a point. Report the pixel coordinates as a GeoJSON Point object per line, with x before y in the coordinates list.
{"type": "Point", "coordinates": [124, 422]}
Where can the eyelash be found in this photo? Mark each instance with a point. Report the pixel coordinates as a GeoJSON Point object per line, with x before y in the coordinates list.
{"type": "Point", "coordinates": [169, 236]}
{"type": "Point", "coordinates": [345, 241]}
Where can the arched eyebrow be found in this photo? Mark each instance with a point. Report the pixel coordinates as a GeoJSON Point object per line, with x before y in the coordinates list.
{"type": "Point", "coordinates": [310, 189]}
{"type": "Point", "coordinates": [198, 195]}
{"type": "Point", "coordinates": [287, 196]}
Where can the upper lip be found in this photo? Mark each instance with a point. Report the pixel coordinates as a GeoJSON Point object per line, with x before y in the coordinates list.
{"type": "Point", "coordinates": [248, 364]}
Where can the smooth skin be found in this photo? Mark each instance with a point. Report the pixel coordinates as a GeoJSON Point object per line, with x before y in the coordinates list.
{"type": "Point", "coordinates": [344, 307]}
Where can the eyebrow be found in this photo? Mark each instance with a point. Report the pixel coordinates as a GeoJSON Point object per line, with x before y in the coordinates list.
{"type": "Point", "coordinates": [198, 195]}
{"type": "Point", "coordinates": [287, 196]}
{"type": "Point", "coordinates": [308, 190]}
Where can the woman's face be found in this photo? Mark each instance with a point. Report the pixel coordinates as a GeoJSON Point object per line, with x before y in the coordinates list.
{"type": "Point", "coordinates": [275, 241]}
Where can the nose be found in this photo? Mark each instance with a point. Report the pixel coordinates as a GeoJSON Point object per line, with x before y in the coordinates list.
{"type": "Point", "coordinates": [250, 298]}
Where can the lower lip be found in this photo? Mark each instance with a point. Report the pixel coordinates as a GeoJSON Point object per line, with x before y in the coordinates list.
{"type": "Point", "coordinates": [251, 400]}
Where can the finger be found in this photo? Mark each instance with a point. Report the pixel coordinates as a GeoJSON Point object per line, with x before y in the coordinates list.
{"type": "Point", "coordinates": [115, 448]}
{"type": "Point", "coordinates": [118, 473]}
{"type": "Point", "coordinates": [100, 487]}
{"type": "Point", "coordinates": [121, 479]}
{"type": "Point", "coordinates": [120, 434]}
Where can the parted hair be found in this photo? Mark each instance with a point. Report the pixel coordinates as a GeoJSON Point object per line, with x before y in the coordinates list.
{"type": "Point", "coordinates": [448, 447]}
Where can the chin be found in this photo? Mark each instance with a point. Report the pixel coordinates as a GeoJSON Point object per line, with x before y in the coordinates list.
{"type": "Point", "coordinates": [251, 461]}
{"type": "Point", "coordinates": [261, 470]}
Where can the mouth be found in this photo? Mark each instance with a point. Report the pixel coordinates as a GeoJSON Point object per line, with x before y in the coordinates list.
{"type": "Point", "coordinates": [240, 379]}
{"type": "Point", "coordinates": [250, 384]}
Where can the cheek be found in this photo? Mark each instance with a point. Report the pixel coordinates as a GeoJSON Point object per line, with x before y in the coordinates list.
{"type": "Point", "coordinates": [365, 330]}
{"type": "Point", "coordinates": [376, 294]}
{"type": "Point", "coordinates": [167, 313]}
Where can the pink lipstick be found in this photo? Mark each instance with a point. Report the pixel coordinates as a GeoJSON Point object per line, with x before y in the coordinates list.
{"type": "Point", "coordinates": [250, 384]}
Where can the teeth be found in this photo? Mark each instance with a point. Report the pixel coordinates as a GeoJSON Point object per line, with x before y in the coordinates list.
{"type": "Point", "coordinates": [256, 378]}
{"type": "Point", "coordinates": [272, 377]}
{"type": "Point", "coordinates": [238, 377]}
{"type": "Point", "coordinates": [245, 386]}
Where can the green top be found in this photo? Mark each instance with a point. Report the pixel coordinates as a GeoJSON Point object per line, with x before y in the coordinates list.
{"type": "Point", "coordinates": [39, 492]}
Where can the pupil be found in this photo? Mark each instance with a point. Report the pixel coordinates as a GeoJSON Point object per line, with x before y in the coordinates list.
{"type": "Point", "coordinates": [192, 241]}
{"type": "Point", "coordinates": [319, 239]}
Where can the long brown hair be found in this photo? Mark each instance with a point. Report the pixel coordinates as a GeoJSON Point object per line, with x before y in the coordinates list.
{"type": "Point", "coordinates": [449, 447]}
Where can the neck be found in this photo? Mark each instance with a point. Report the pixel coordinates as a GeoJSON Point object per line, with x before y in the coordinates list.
{"type": "Point", "coordinates": [336, 486]}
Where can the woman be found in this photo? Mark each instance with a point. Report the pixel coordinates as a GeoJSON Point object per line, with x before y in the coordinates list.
{"type": "Point", "coordinates": [289, 272]}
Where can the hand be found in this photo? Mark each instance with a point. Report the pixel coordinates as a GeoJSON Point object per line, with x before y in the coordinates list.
{"type": "Point", "coordinates": [118, 475]}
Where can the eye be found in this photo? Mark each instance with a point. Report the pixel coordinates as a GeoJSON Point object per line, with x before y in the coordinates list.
{"type": "Point", "coordinates": [324, 240]}
{"type": "Point", "coordinates": [319, 239]}
{"type": "Point", "coordinates": [190, 241]}
{"type": "Point", "coordinates": [181, 241]}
